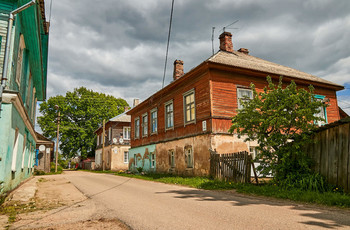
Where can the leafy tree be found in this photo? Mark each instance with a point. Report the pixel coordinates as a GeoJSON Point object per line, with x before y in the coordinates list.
{"type": "Point", "coordinates": [280, 119]}
{"type": "Point", "coordinates": [82, 111]}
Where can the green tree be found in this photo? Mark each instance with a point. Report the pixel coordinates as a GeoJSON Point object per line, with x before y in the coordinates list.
{"type": "Point", "coordinates": [280, 119]}
{"type": "Point", "coordinates": [82, 111]}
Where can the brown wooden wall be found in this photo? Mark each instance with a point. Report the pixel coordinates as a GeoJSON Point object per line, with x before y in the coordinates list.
{"type": "Point", "coordinates": [224, 86]}
{"type": "Point", "coordinates": [331, 154]}
{"type": "Point", "coordinates": [117, 129]}
{"type": "Point", "coordinates": [200, 84]}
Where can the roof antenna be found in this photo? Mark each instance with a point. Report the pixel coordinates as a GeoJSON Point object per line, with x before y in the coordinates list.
{"type": "Point", "coordinates": [227, 27]}
{"type": "Point", "coordinates": [212, 39]}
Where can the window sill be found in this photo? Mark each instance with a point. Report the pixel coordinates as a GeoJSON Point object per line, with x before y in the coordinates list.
{"type": "Point", "coordinates": [155, 133]}
{"type": "Point", "coordinates": [190, 122]}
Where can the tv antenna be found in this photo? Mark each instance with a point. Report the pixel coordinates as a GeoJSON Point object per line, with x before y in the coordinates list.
{"type": "Point", "coordinates": [223, 29]}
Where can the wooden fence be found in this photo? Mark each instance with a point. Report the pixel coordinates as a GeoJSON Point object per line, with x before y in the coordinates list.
{"type": "Point", "coordinates": [234, 167]}
{"type": "Point", "coordinates": [331, 153]}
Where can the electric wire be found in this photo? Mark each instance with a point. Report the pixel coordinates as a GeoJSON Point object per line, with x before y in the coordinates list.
{"type": "Point", "coordinates": [50, 11]}
{"type": "Point", "coordinates": [167, 48]}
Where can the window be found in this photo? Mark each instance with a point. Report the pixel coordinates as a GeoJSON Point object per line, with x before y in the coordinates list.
{"type": "Point", "coordinates": [126, 133]}
{"type": "Point", "coordinates": [29, 87]}
{"type": "Point", "coordinates": [169, 115]}
{"type": "Point", "coordinates": [34, 100]}
{"type": "Point", "coordinates": [253, 151]}
{"type": "Point", "coordinates": [24, 149]}
{"type": "Point", "coordinates": [144, 125]}
{"type": "Point", "coordinates": [14, 152]}
{"type": "Point", "coordinates": [126, 157]}
{"type": "Point", "coordinates": [109, 133]}
{"type": "Point", "coordinates": [22, 46]}
{"type": "Point", "coordinates": [153, 160]}
{"type": "Point", "coordinates": [243, 95]}
{"type": "Point", "coordinates": [137, 128]}
{"type": "Point", "coordinates": [98, 140]}
{"type": "Point", "coordinates": [189, 156]}
{"type": "Point", "coordinates": [172, 158]}
{"type": "Point", "coordinates": [322, 112]}
{"type": "Point", "coordinates": [154, 120]}
{"type": "Point", "coordinates": [189, 107]}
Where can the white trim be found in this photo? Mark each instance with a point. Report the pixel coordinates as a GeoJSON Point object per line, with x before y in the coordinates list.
{"type": "Point", "coordinates": [184, 95]}
{"type": "Point", "coordinates": [12, 98]}
{"type": "Point", "coordinates": [142, 125]}
{"type": "Point", "coordinates": [128, 130]}
{"type": "Point", "coordinates": [126, 160]}
{"type": "Point", "coordinates": [151, 119]}
{"type": "Point", "coordinates": [24, 149]}
{"type": "Point", "coordinates": [165, 115]}
{"type": "Point", "coordinates": [19, 65]}
{"type": "Point", "coordinates": [15, 151]}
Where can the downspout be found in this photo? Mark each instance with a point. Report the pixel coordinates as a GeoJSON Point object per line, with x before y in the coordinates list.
{"type": "Point", "coordinates": [7, 47]}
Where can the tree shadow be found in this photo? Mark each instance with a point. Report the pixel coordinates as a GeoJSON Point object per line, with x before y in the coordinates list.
{"type": "Point", "coordinates": [325, 217]}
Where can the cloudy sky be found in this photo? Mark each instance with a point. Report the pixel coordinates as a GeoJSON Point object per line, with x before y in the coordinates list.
{"type": "Point", "coordinates": [118, 47]}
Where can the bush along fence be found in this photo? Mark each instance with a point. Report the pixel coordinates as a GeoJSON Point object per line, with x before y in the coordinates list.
{"type": "Point", "coordinates": [330, 152]}
{"type": "Point", "coordinates": [234, 167]}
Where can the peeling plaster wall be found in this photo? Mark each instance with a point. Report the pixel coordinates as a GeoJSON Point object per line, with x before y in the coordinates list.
{"type": "Point", "coordinates": [230, 143]}
{"type": "Point", "coordinates": [200, 145]}
{"type": "Point", "coordinates": [117, 158]}
{"type": "Point", "coordinates": [141, 157]}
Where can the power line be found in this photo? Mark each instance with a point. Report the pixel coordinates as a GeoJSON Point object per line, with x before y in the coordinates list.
{"type": "Point", "coordinates": [167, 47]}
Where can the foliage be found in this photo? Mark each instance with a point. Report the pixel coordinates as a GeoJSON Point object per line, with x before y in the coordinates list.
{"type": "Point", "coordinates": [307, 182]}
{"type": "Point", "coordinates": [280, 119]}
{"type": "Point", "coordinates": [82, 111]}
{"type": "Point", "coordinates": [53, 167]}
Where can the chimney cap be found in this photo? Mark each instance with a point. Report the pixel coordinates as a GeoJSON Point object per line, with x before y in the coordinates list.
{"type": "Point", "coordinates": [178, 62]}
{"type": "Point", "coordinates": [243, 50]}
{"type": "Point", "coordinates": [225, 34]}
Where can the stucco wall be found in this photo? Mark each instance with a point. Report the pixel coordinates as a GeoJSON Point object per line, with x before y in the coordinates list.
{"type": "Point", "coordinates": [200, 145]}
{"type": "Point", "coordinates": [117, 158]}
{"type": "Point", "coordinates": [141, 157]}
{"type": "Point", "coordinates": [10, 120]}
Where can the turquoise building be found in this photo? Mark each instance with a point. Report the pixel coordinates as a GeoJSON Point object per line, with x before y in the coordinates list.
{"type": "Point", "coordinates": [24, 35]}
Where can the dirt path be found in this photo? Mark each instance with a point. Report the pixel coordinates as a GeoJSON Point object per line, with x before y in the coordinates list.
{"type": "Point", "coordinates": [58, 204]}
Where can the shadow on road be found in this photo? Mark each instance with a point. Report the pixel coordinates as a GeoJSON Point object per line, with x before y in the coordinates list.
{"type": "Point", "coordinates": [338, 217]}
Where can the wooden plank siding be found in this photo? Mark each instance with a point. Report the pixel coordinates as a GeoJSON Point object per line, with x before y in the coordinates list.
{"type": "Point", "coordinates": [215, 101]}
{"type": "Point", "coordinates": [200, 84]}
{"type": "Point", "coordinates": [330, 152]}
{"type": "Point", "coordinates": [224, 96]}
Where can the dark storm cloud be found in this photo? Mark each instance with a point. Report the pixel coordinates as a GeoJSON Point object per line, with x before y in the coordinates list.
{"type": "Point", "coordinates": [118, 46]}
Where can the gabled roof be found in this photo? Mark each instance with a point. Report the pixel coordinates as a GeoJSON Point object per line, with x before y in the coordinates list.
{"type": "Point", "coordinates": [241, 60]}
{"type": "Point", "coordinates": [122, 118]}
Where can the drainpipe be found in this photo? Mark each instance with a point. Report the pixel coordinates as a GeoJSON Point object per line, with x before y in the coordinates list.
{"type": "Point", "coordinates": [7, 46]}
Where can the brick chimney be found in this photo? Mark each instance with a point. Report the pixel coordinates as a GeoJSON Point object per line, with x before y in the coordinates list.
{"type": "Point", "coordinates": [136, 102]}
{"type": "Point", "coordinates": [243, 50]}
{"type": "Point", "coordinates": [226, 42]}
{"type": "Point", "coordinates": [178, 69]}
{"type": "Point", "coordinates": [126, 108]}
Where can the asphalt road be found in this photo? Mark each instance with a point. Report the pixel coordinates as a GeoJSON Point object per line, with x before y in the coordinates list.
{"type": "Point", "coordinates": [150, 205]}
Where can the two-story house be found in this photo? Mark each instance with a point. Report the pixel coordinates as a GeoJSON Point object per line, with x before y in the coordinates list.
{"type": "Point", "coordinates": [116, 143]}
{"type": "Point", "coordinates": [24, 35]}
{"type": "Point", "coordinates": [173, 130]}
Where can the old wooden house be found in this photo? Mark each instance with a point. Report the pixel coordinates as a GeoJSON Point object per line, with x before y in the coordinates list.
{"type": "Point", "coordinates": [24, 37]}
{"type": "Point", "coordinates": [116, 143]}
{"type": "Point", "coordinates": [173, 130]}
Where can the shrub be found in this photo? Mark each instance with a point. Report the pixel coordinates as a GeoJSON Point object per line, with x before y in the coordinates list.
{"type": "Point", "coordinates": [52, 168]}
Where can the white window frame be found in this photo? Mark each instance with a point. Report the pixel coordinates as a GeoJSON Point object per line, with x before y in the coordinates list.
{"type": "Point", "coordinates": [24, 149]}
{"type": "Point", "coordinates": [253, 151]}
{"type": "Point", "coordinates": [126, 132]}
{"type": "Point", "coordinates": [185, 95]}
{"type": "Point", "coordinates": [126, 157]}
{"type": "Point", "coordinates": [109, 133]}
{"type": "Point", "coordinates": [154, 121]}
{"type": "Point", "coordinates": [98, 140]}
{"type": "Point", "coordinates": [153, 160]}
{"type": "Point", "coordinates": [239, 90]}
{"type": "Point", "coordinates": [137, 128]}
{"type": "Point", "coordinates": [189, 156]}
{"type": "Point", "coordinates": [19, 68]}
{"type": "Point", "coordinates": [166, 114]}
{"type": "Point", "coordinates": [144, 127]}
{"type": "Point", "coordinates": [15, 151]}
{"type": "Point", "coordinates": [172, 158]}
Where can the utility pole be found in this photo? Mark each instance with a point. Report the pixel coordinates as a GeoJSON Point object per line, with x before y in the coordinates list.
{"type": "Point", "coordinates": [58, 131]}
{"type": "Point", "coordinates": [103, 145]}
